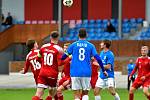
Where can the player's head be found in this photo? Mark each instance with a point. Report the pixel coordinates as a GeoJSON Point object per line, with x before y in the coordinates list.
{"type": "Point", "coordinates": [82, 33]}
{"type": "Point", "coordinates": [54, 37]}
{"type": "Point", "coordinates": [66, 46]}
{"type": "Point", "coordinates": [105, 44]}
{"type": "Point", "coordinates": [144, 50]}
{"type": "Point", "coordinates": [131, 61]}
{"type": "Point", "coordinates": [31, 44]}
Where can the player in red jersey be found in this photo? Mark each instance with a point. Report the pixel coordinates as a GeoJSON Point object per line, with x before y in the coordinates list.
{"type": "Point", "coordinates": [64, 83]}
{"type": "Point", "coordinates": [94, 76]}
{"type": "Point", "coordinates": [143, 78]}
{"type": "Point", "coordinates": [49, 71]}
{"type": "Point", "coordinates": [31, 59]}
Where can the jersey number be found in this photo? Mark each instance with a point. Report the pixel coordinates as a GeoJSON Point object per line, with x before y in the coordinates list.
{"type": "Point", "coordinates": [48, 59]}
{"type": "Point", "coordinates": [81, 54]}
{"type": "Point", "coordinates": [36, 65]}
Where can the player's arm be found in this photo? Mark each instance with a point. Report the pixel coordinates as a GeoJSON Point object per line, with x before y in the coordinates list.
{"type": "Point", "coordinates": [69, 52]}
{"type": "Point", "coordinates": [26, 67]}
{"type": "Point", "coordinates": [99, 62]}
{"type": "Point", "coordinates": [108, 66]}
{"type": "Point", "coordinates": [134, 70]}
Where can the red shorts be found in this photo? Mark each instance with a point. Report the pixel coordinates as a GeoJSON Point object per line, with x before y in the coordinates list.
{"type": "Point", "coordinates": [93, 81]}
{"type": "Point", "coordinates": [138, 82]}
{"type": "Point", "coordinates": [65, 81]}
{"type": "Point", "coordinates": [45, 82]}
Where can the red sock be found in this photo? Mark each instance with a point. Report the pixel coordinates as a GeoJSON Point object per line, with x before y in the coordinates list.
{"type": "Point", "coordinates": [61, 97]}
{"type": "Point", "coordinates": [48, 98]}
{"type": "Point", "coordinates": [81, 96]}
{"type": "Point", "coordinates": [56, 97]}
{"type": "Point", "coordinates": [35, 98]}
{"type": "Point", "coordinates": [131, 96]}
{"type": "Point", "coordinates": [41, 99]}
{"type": "Point", "coordinates": [148, 97]}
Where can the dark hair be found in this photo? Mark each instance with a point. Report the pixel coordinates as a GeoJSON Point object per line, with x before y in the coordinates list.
{"type": "Point", "coordinates": [54, 34]}
{"type": "Point", "coordinates": [82, 33]}
{"type": "Point", "coordinates": [107, 43]}
{"type": "Point", "coordinates": [30, 44]}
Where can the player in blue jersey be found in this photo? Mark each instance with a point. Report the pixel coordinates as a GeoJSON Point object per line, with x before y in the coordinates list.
{"type": "Point", "coordinates": [80, 69]}
{"type": "Point", "coordinates": [108, 61]}
{"type": "Point", "coordinates": [130, 68]}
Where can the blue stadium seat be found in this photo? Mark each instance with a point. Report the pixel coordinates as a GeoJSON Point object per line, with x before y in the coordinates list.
{"type": "Point", "coordinates": [98, 25]}
{"type": "Point", "coordinates": [105, 21]}
{"type": "Point", "coordinates": [91, 26]}
{"type": "Point", "coordinates": [92, 21]}
{"type": "Point", "coordinates": [125, 20]}
{"type": "Point", "coordinates": [126, 30]}
{"type": "Point", "coordinates": [85, 21]}
{"type": "Point", "coordinates": [99, 21]}
{"type": "Point", "coordinates": [133, 20]}
{"type": "Point", "coordinates": [140, 20]}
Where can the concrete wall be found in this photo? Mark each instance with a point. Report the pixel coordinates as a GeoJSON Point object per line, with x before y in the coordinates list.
{"type": "Point", "coordinates": [16, 7]}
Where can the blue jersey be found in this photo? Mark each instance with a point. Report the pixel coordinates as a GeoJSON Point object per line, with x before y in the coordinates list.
{"type": "Point", "coordinates": [81, 52]}
{"type": "Point", "coordinates": [130, 67]}
{"type": "Point", "coordinates": [107, 58]}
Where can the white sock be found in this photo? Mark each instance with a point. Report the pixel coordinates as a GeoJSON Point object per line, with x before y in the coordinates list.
{"type": "Point", "coordinates": [97, 97]}
{"type": "Point", "coordinates": [85, 97]}
{"type": "Point", "coordinates": [76, 99]}
{"type": "Point", "coordinates": [117, 97]}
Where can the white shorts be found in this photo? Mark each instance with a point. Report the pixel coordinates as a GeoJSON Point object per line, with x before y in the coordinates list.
{"type": "Point", "coordinates": [103, 83]}
{"type": "Point", "coordinates": [81, 83]}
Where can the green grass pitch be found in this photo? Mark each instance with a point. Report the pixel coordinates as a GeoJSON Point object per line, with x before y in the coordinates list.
{"type": "Point", "coordinates": [26, 94]}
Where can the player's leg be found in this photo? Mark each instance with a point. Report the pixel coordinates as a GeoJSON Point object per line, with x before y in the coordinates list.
{"type": "Point", "coordinates": [131, 93]}
{"type": "Point", "coordinates": [111, 88]}
{"type": "Point", "coordinates": [52, 88]}
{"type": "Point", "coordinates": [62, 87]}
{"type": "Point", "coordinates": [76, 87]}
{"type": "Point", "coordinates": [86, 85]}
{"type": "Point", "coordinates": [129, 81]}
{"type": "Point", "coordinates": [136, 84]}
{"type": "Point", "coordinates": [98, 87]}
{"type": "Point", "coordinates": [146, 92]}
{"type": "Point", "coordinates": [39, 94]}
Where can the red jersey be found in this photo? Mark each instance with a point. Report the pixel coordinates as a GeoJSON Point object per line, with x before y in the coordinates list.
{"type": "Point", "coordinates": [49, 54]}
{"type": "Point", "coordinates": [66, 69]}
{"type": "Point", "coordinates": [143, 67]}
{"type": "Point", "coordinates": [31, 61]}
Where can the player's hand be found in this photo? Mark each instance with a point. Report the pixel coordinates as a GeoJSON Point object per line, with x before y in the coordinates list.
{"type": "Point", "coordinates": [130, 78]}
{"type": "Point", "coordinates": [95, 63]}
{"type": "Point", "coordinates": [105, 73]}
{"type": "Point", "coordinates": [22, 71]}
{"type": "Point", "coordinates": [143, 78]}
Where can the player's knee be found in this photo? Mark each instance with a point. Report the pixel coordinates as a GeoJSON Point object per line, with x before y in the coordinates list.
{"type": "Point", "coordinates": [131, 90]}
{"type": "Point", "coordinates": [145, 91]}
{"type": "Point", "coordinates": [85, 92]}
{"type": "Point", "coordinates": [96, 91]}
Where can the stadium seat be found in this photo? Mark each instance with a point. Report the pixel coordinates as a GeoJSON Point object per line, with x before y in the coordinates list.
{"type": "Point", "coordinates": [46, 22]}
{"type": "Point", "coordinates": [40, 22]}
{"type": "Point", "coordinates": [133, 20]}
{"type": "Point", "coordinates": [98, 21]}
{"type": "Point", "coordinates": [27, 22]}
{"type": "Point", "coordinates": [105, 21]}
{"type": "Point", "coordinates": [85, 21]}
{"type": "Point", "coordinates": [139, 20]}
{"type": "Point", "coordinates": [92, 21]}
{"type": "Point", "coordinates": [34, 22]}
